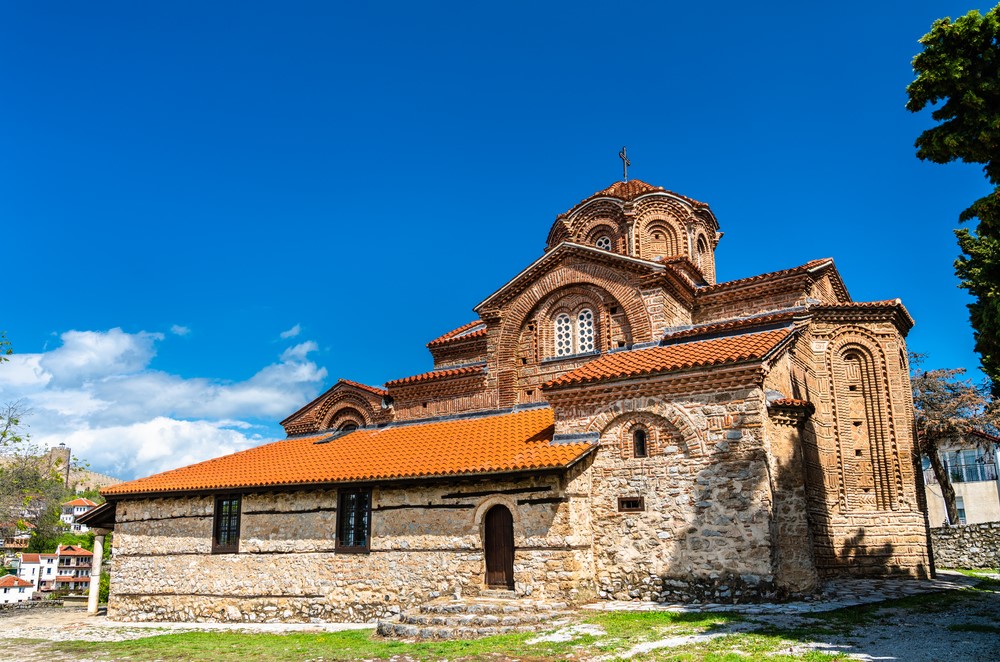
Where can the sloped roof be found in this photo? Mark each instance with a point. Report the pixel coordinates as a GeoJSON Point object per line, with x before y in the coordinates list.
{"type": "Point", "coordinates": [380, 392]}
{"type": "Point", "coordinates": [447, 373]}
{"type": "Point", "coordinates": [494, 443]}
{"type": "Point", "coordinates": [813, 266]}
{"type": "Point", "coordinates": [81, 502]}
{"type": "Point", "coordinates": [680, 356]}
{"type": "Point", "coordinates": [73, 550]}
{"type": "Point", "coordinates": [475, 329]}
{"type": "Point", "coordinates": [13, 581]}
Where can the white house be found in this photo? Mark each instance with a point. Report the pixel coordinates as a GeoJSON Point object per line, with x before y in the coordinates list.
{"type": "Point", "coordinates": [39, 569]}
{"type": "Point", "coordinates": [15, 589]}
{"type": "Point", "coordinates": [71, 510]}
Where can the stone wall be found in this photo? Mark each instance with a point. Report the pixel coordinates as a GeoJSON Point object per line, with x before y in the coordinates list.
{"type": "Point", "coordinates": [704, 531]}
{"type": "Point", "coordinates": [969, 546]}
{"type": "Point", "coordinates": [426, 541]}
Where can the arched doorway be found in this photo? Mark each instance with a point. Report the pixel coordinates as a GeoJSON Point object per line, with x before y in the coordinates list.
{"type": "Point", "coordinates": [499, 542]}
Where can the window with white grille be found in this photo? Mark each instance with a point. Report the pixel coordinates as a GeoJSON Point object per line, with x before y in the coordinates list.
{"type": "Point", "coordinates": [564, 335]}
{"type": "Point", "coordinates": [585, 331]}
{"type": "Point", "coordinates": [604, 243]}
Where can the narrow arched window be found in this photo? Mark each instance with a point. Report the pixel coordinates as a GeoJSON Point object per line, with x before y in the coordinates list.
{"type": "Point", "coordinates": [639, 443]}
{"type": "Point", "coordinates": [564, 335]}
{"type": "Point", "coordinates": [585, 331]}
{"type": "Point", "coordinates": [604, 243]}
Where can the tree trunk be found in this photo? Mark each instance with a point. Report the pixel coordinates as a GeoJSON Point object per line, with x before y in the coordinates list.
{"type": "Point", "coordinates": [947, 491]}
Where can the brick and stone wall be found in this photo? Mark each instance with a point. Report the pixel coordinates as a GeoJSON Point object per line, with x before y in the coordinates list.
{"type": "Point", "coordinates": [969, 546]}
{"type": "Point", "coordinates": [426, 541]}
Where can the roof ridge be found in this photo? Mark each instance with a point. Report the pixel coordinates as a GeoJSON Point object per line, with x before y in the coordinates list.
{"type": "Point", "coordinates": [454, 334]}
{"type": "Point", "coordinates": [443, 373]}
{"type": "Point", "coordinates": [802, 268]}
{"type": "Point", "coordinates": [736, 323]}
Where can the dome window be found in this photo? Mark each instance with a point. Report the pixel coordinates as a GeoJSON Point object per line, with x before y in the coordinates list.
{"type": "Point", "coordinates": [604, 243]}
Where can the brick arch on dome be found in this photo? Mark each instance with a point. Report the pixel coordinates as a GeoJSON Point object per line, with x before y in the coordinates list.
{"type": "Point", "coordinates": [330, 409]}
{"type": "Point", "coordinates": [672, 418]}
{"type": "Point", "coordinates": [879, 417]}
{"type": "Point", "coordinates": [558, 233]}
{"type": "Point", "coordinates": [589, 234]}
{"type": "Point", "coordinates": [669, 216]}
{"type": "Point", "coordinates": [582, 221]}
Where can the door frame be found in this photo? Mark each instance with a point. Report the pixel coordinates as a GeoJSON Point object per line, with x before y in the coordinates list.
{"type": "Point", "coordinates": [487, 539]}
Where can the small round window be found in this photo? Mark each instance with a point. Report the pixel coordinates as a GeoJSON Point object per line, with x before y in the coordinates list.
{"type": "Point", "coordinates": [604, 243]}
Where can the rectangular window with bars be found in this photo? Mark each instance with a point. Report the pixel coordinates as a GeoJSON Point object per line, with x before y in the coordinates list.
{"type": "Point", "coordinates": [354, 513]}
{"type": "Point", "coordinates": [226, 525]}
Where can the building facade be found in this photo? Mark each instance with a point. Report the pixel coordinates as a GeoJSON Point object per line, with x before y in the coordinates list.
{"type": "Point", "coordinates": [71, 510]}
{"type": "Point", "coordinates": [971, 464]}
{"type": "Point", "coordinates": [614, 424]}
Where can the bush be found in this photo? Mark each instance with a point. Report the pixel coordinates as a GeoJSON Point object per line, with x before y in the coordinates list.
{"type": "Point", "coordinates": [105, 588]}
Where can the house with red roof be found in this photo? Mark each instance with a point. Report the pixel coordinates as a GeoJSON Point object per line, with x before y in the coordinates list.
{"type": "Point", "coordinates": [71, 510]}
{"type": "Point", "coordinates": [614, 423]}
{"type": "Point", "coordinates": [15, 589]}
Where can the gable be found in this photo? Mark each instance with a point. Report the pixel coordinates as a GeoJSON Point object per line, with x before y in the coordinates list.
{"type": "Point", "coordinates": [346, 402]}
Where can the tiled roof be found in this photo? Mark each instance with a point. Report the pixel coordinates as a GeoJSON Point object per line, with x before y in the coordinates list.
{"type": "Point", "coordinates": [739, 282]}
{"type": "Point", "coordinates": [465, 331]}
{"type": "Point", "coordinates": [365, 387]}
{"type": "Point", "coordinates": [731, 325]}
{"type": "Point", "coordinates": [789, 402]}
{"type": "Point", "coordinates": [496, 443]}
{"type": "Point", "coordinates": [681, 356]}
{"type": "Point", "coordinates": [80, 502]}
{"type": "Point", "coordinates": [72, 550]}
{"type": "Point", "coordinates": [631, 190]}
{"type": "Point", "coordinates": [869, 305]}
{"type": "Point", "coordinates": [12, 581]}
{"type": "Point", "coordinates": [437, 374]}
{"type": "Point", "coordinates": [30, 558]}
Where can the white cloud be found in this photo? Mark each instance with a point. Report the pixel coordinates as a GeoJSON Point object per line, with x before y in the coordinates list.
{"type": "Point", "coordinates": [97, 393]}
{"type": "Point", "coordinates": [292, 332]}
{"type": "Point", "coordinates": [179, 330]}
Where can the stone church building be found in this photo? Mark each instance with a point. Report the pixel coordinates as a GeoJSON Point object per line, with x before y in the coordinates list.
{"type": "Point", "coordinates": [613, 424]}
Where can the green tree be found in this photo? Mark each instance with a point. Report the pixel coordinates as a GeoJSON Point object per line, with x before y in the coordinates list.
{"type": "Point", "coordinates": [949, 409]}
{"type": "Point", "coordinates": [958, 74]}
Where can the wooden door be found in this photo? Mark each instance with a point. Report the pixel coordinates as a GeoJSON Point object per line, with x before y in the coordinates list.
{"type": "Point", "coordinates": [499, 548]}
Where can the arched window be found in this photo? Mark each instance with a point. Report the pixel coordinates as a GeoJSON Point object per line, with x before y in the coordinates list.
{"type": "Point", "coordinates": [702, 252]}
{"type": "Point", "coordinates": [604, 243]}
{"type": "Point", "coordinates": [639, 443]}
{"type": "Point", "coordinates": [347, 427]}
{"type": "Point", "coordinates": [585, 331]}
{"type": "Point", "coordinates": [564, 335]}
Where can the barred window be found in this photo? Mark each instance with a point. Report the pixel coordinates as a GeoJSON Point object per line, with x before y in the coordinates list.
{"type": "Point", "coordinates": [226, 525]}
{"type": "Point", "coordinates": [354, 514]}
{"type": "Point", "coordinates": [604, 243]}
{"type": "Point", "coordinates": [564, 336]}
{"type": "Point", "coordinates": [639, 443]}
{"type": "Point", "coordinates": [585, 331]}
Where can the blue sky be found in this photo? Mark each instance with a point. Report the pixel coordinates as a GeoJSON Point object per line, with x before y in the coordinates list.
{"type": "Point", "coordinates": [211, 211]}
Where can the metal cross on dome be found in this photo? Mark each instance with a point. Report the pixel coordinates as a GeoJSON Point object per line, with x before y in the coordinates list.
{"type": "Point", "coordinates": [625, 163]}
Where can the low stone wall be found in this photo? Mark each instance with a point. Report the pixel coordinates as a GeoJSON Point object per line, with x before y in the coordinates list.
{"type": "Point", "coordinates": [12, 608]}
{"type": "Point", "coordinates": [969, 546]}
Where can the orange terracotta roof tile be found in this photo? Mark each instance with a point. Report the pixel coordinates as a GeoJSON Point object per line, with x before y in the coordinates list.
{"type": "Point", "coordinates": [631, 190]}
{"type": "Point", "coordinates": [681, 356]}
{"type": "Point", "coordinates": [869, 305]}
{"type": "Point", "coordinates": [12, 581]}
{"type": "Point", "coordinates": [739, 282]}
{"type": "Point", "coordinates": [495, 443]}
{"type": "Point", "coordinates": [81, 502]}
{"type": "Point", "coordinates": [365, 387]}
{"type": "Point", "coordinates": [437, 374]}
{"type": "Point", "coordinates": [72, 550]}
{"type": "Point", "coordinates": [464, 332]}
{"type": "Point", "coordinates": [789, 402]}
{"type": "Point", "coordinates": [30, 558]}
{"type": "Point", "coordinates": [731, 325]}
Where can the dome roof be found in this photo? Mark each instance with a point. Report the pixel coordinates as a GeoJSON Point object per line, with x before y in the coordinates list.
{"type": "Point", "coordinates": [630, 190]}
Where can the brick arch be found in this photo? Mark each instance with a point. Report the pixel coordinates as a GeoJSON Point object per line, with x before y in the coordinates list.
{"type": "Point", "coordinates": [588, 234]}
{"type": "Point", "coordinates": [707, 265]}
{"type": "Point", "coordinates": [336, 403]}
{"type": "Point", "coordinates": [673, 417]}
{"type": "Point", "coordinates": [571, 300]}
{"type": "Point", "coordinates": [520, 309]}
{"type": "Point", "coordinates": [557, 234]}
{"type": "Point", "coordinates": [879, 409]}
{"type": "Point", "coordinates": [607, 210]}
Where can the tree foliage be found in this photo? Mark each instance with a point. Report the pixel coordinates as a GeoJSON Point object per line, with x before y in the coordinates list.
{"type": "Point", "coordinates": [958, 74]}
{"type": "Point", "coordinates": [949, 409]}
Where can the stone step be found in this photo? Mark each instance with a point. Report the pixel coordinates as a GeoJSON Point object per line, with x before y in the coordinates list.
{"type": "Point", "coordinates": [454, 620]}
{"type": "Point", "coordinates": [489, 606]}
{"type": "Point", "coordinates": [406, 630]}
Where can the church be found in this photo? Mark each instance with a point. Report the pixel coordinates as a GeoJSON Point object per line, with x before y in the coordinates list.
{"type": "Point", "coordinates": [612, 424]}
